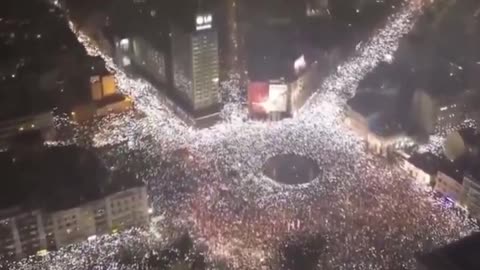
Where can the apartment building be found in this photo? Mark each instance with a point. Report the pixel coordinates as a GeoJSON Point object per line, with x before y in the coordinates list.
{"type": "Point", "coordinates": [64, 208]}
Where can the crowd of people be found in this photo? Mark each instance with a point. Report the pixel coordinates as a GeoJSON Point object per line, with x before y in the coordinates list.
{"type": "Point", "coordinates": [367, 212]}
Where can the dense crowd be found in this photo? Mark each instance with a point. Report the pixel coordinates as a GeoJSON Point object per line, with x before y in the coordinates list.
{"type": "Point", "coordinates": [367, 212]}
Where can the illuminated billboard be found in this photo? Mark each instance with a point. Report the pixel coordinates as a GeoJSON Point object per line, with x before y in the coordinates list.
{"type": "Point", "coordinates": [257, 96]}
{"type": "Point", "coordinates": [109, 85]}
{"type": "Point", "coordinates": [96, 88]}
{"type": "Point", "coordinates": [277, 98]}
{"type": "Point", "coordinates": [203, 22]}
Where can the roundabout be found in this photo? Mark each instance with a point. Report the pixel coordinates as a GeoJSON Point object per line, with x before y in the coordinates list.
{"type": "Point", "coordinates": [291, 169]}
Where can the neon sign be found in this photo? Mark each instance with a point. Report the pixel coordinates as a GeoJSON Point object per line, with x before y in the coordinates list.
{"type": "Point", "coordinates": [203, 22]}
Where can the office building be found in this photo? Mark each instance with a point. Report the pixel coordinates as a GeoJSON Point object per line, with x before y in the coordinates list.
{"type": "Point", "coordinates": [423, 112]}
{"type": "Point", "coordinates": [364, 108]}
{"type": "Point", "coordinates": [105, 100]}
{"type": "Point", "coordinates": [384, 137]}
{"type": "Point", "coordinates": [117, 211]}
{"type": "Point", "coordinates": [41, 122]}
{"type": "Point", "coordinates": [180, 58]}
{"type": "Point", "coordinates": [276, 57]}
{"type": "Point", "coordinates": [437, 114]}
{"type": "Point", "coordinates": [471, 194]}
{"type": "Point", "coordinates": [449, 180]}
{"type": "Point", "coordinates": [143, 54]}
{"type": "Point", "coordinates": [102, 87]}
{"type": "Point", "coordinates": [196, 67]}
{"type": "Point", "coordinates": [370, 116]}
{"type": "Point", "coordinates": [317, 8]}
{"type": "Point", "coordinates": [61, 196]}
{"type": "Point", "coordinates": [39, 230]}
{"type": "Point", "coordinates": [422, 167]}
{"type": "Point", "coordinates": [274, 12]}
{"type": "Point", "coordinates": [283, 97]}
{"type": "Point", "coordinates": [304, 84]}
{"type": "Point", "coordinates": [462, 143]}
{"type": "Point", "coordinates": [21, 232]}
{"type": "Point", "coordinates": [360, 110]}
{"type": "Point", "coordinates": [450, 115]}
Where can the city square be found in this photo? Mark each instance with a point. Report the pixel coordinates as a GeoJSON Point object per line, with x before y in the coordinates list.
{"type": "Point", "coordinates": [363, 211]}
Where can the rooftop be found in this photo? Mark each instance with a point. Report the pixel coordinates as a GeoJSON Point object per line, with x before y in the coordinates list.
{"type": "Point", "coordinates": [460, 255]}
{"type": "Point", "coordinates": [385, 126]}
{"type": "Point", "coordinates": [470, 136]}
{"type": "Point", "coordinates": [56, 178]}
{"type": "Point", "coordinates": [178, 100]}
{"type": "Point", "coordinates": [368, 103]}
{"type": "Point", "coordinates": [427, 162]}
{"type": "Point", "coordinates": [454, 169]}
{"type": "Point", "coordinates": [473, 170]}
{"type": "Point", "coordinates": [110, 99]}
{"type": "Point", "coordinates": [272, 53]}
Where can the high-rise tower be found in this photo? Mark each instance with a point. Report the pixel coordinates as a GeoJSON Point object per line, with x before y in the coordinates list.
{"type": "Point", "coordinates": [195, 64]}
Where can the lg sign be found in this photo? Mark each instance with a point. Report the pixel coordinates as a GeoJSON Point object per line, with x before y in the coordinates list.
{"type": "Point", "coordinates": [204, 22]}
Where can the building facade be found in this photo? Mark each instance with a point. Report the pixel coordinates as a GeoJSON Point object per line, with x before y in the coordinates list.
{"type": "Point", "coordinates": [38, 231]}
{"type": "Point", "coordinates": [105, 100]}
{"type": "Point", "coordinates": [449, 186]}
{"type": "Point", "coordinates": [368, 115]}
{"type": "Point", "coordinates": [437, 114]}
{"type": "Point", "coordinates": [303, 86]}
{"type": "Point", "coordinates": [471, 195]}
{"type": "Point", "coordinates": [195, 63]}
{"type": "Point", "coordinates": [450, 114]}
{"type": "Point", "coordinates": [462, 143]}
{"type": "Point", "coordinates": [423, 112]}
{"type": "Point", "coordinates": [383, 144]}
{"type": "Point", "coordinates": [42, 122]}
{"type": "Point", "coordinates": [264, 96]}
{"type": "Point", "coordinates": [151, 59]}
{"type": "Point", "coordinates": [380, 142]}
{"type": "Point", "coordinates": [315, 8]}
{"type": "Point", "coordinates": [22, 233]}
{"type": "Point", "coordinates": [183, 62]}
{"type": "Point", "coordinates": [357, 121]}
{"type": "Point", "coordinates": [422, 167]}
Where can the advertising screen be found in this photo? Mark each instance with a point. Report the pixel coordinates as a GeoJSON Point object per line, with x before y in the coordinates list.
{"type": "Point", "coordinates": [277, 98]}
{"type": "Point", "coordinates": [257, 96]}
